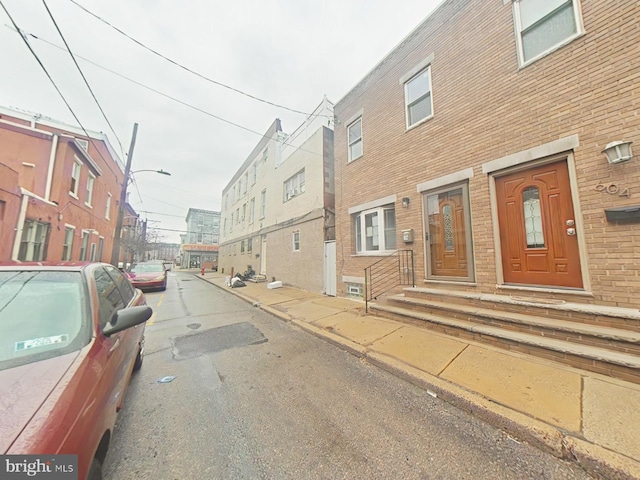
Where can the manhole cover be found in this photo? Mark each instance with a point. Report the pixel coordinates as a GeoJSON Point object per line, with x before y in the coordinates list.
{"type": "Point", "coordinates": [217, 339]}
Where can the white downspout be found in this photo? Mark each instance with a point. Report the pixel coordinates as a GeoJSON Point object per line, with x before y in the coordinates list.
{"type": "Point", "coordinates": [52, 163]}
{"type": "Point", "coordinates": [20, 227]}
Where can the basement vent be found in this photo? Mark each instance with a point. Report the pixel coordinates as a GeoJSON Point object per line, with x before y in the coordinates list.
{"type": "Point", "coordinates": [355, 290]}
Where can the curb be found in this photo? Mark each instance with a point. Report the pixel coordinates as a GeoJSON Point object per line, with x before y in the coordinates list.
{"type": "Point", "coordinates": [592, 458]}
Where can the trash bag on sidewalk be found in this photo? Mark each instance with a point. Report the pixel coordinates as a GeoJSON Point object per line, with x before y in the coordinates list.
{"type": "Point", "coordinates": [236, 282]}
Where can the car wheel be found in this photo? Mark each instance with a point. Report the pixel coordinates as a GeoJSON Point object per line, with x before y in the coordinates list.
{"type": "Point", "coordinates": [137, 365]}
{"type": "Point", "coordinates": [95, 471]}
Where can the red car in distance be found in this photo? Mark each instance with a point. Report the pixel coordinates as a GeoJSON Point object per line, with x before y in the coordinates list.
{"type": "Point", "coordinates": [148, 275]}
{"type": "Point", "coordinates": [70, 337]}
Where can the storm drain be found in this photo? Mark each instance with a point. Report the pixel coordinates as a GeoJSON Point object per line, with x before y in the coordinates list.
{"type": "Point", "coordinates": [217, 339]}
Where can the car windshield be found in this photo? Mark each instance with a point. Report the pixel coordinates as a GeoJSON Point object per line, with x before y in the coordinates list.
{"type": "Point", "coordinates": [147, 268]}
{"type": "Point", "coordinates": [42, 315]}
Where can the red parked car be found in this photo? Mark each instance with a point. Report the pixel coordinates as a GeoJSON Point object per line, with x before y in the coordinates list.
{"type": "Point", "coordinates": [148, 275]}
{"type": "Point", "coordinates": [70, 337]}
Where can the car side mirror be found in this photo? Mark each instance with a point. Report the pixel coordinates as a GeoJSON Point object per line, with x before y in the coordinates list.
{"type": "Point", "coordinates": [127, 318]}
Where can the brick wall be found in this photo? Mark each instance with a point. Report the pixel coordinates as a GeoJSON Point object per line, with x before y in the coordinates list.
{"type": "Point", "coordinates": [486, 107]}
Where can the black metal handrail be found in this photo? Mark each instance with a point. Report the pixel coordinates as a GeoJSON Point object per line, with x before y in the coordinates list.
{"type": "Point", "coordinates": [387, 273]}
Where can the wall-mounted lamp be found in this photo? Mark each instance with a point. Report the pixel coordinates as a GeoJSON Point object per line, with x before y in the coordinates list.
{"type": "Point", "coordinates": [618, 152]}
{"type": "Point", "coordinates": [405, 202]}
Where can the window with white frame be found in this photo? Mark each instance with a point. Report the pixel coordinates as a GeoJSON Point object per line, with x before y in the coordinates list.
{"type": "Point", "coordinates": [249, 244]}
{"type": "Point", "coordinates": [231, 224]}
{"type": "Point", "coordinates": [543, 25]}
{"type": "Point", "coordinates": [84, 246]}
{"type": "Point", "coordinates": [354, 134]}
{"type": "Point", "coordinates": [246, 181]}
{"type": "Point", "coordinates": [90, 181]}
{"type": "Point", "coordinates": [199, 238]}
{"type": "Point", "coordinates": [252, 208]}
{"type": "Point", "coordinates": [296, 241]}
{"type": "Point", "coordinates": [294, 185]}
{"type": "Point", "coordinates": [238, 215]}
{"type": "Point", "coordinates": [226, 201]}
{"type": "Point", "coordinates": [75, 177]}
{"type": "Point", "coordinates": [417, 97]}
{"type": "Point", "coordinates": [67, 246]}
{"type": "Point", "coordinates": [242, 246]}
{"type": "Point", "coordinates": [92, 257]}
{"type": "Point", "coordinates": [224, 230]}
{"type": "Point", "coordinates": [33, 245]}
{"type": "Point", "coordinates": [263, 203]}
{"type": "Point", "coordinates": [255, 172]}
{"type": "Point", "coordinates": [83, 143]}
{"type": "Point", "coordinates": [200, 220]}
{"type": "Point", "coordinates": [375, 230]}
{"type": "Point", "coordinates": [107, 211]}
{"type": "Point", "coordinates": [244, 211]}
{"type": "Point", "coordinates": [100, 248]}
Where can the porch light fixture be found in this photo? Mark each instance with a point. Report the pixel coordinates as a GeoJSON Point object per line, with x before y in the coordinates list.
{"type": "Point", "coordinates": [618, 152]}
{"type": "Point", "coordinates": [405, 202]}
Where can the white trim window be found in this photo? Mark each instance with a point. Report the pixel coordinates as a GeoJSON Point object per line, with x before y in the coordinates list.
{"type": "Point", "coordinates": [375, 230]}
{"type": "Point", "coordinates": [252, 209]}
{"type": "Point", "coordinates": [84, 246]}
{"type": "Point", "coordinates": [67, 246]}
{"type": "Point", "coordinates": [246, 181]}
{"type": "Point", "coordinates": [107, 211]}
{"type": "Point", "coordinates": [92, 256]}
{"type": "Point", "coordinates": [354, 135]}
{"type": "Point", "coordinates": [83, 143]}
{"type": "Point", "coordinates": [75, 178]}
{"type": "Point", "coordinates": [255, 172]}
{"type": "Point", "coordinates": [543, 26]}
{"type": "Point", "coordinates": [90, 181]}
{"type": "Point", "coordinates": [294, 186]}
{"type": "Point", "coordinates": [35, 237]}
{"type": "Point", "coordinates": [263, 203]}
{"type": "Point", "coordinates": [417, 97]}
{"type": "Point", "coordinates": [296, 241]}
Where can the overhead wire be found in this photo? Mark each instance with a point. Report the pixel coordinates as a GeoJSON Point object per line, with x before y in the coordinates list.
{"type": "Point", "coordinates": [82, 74]}
{"type": "Point", "coordinates": [35, 55]}
{"type": "Point", "coordinates": [184, 67]}
{"type": "Point", "coordinates": [188, 105]}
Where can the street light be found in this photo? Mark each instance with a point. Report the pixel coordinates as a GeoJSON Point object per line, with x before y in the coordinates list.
{"type": "Point", "coordinates": [115, 252]}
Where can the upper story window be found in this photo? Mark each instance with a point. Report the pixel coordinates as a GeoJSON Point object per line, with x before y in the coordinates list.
{"type": "Point", "coordinates": [246, 181]}
{"type": "Point", "coordinates": [255, 172]}
{"type": "Point", "coordinates": [75, 178]}
{"type": "Point", "coordinates": [90, 181]}
{"type": "Point", "coordinates": [252, 208]}
{"type": "Point", "coordinates": [375, 230]}
{"type": "Point", "coordinates": [544, 25]}
{"type": "Point", "coordinates": [417, 97]}
{"type": "Point", "coordinates": [294, 185]}
{"type": "Point", "coordinates": [107, 210]}
{"type": "Point", "coordinates": [200, 220]}
{"type": "Point", "coordinates": [354, 134]}
{"type": "Point", "coordinates": [263, 203]}
{"type": "Point", "coordinates": [83, 143]}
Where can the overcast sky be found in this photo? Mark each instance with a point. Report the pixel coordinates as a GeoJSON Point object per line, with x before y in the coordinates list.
{"type": "Point", "coordinates": [287, 52]}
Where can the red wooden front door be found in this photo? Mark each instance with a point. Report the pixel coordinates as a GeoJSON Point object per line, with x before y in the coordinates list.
{"type": "Point", "coordinates": [537, 227]}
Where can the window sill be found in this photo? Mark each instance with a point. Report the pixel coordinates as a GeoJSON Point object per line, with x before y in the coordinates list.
{"type": "Point", "coordinates": [71, 194]}
{"type": "Point", "coordinates": [88, 205]}
{"type": "Point", "coordinates": [416, 125]}
{"type": "Point", "coordinates": [354, 159]}
{"type": "Point", "coordinates": [384, 253]}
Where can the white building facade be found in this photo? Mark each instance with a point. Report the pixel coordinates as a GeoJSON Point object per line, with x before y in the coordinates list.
{"type": "Point", "coordinates": [278, 209]}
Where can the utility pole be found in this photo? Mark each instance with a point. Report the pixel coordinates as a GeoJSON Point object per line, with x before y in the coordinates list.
{"type": "Point", "coordinates": [115, 253]}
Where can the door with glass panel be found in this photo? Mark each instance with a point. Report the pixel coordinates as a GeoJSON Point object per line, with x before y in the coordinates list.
{"type": "Point", "coordinates": [537, 227]}
{"type": "Point", "coordinates": [448, 234]}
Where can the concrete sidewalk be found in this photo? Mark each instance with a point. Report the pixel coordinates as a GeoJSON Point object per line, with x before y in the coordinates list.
{"type": "Point", "coordinates": [577, 415]}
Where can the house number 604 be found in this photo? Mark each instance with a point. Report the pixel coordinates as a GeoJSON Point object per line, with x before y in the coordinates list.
{"type": "Point", "coordinates": [613, 189]}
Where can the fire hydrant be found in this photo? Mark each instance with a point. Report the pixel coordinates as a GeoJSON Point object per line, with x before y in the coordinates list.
{"type": "Point", "coordinates": [202, 272]}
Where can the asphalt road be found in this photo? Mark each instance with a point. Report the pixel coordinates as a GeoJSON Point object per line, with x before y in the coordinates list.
{"type": "Point", "coordinates": [256, 398]}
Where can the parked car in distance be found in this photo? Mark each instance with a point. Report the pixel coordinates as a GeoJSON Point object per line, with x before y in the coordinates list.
{"type": "Point", "coordinates": [146, 276]}
{"type": "Point", "coordinates": [71, 334]}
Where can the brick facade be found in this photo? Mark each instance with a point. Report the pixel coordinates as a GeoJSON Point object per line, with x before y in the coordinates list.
{"type": "Point", "coordinates": [487, 108]}
{"type": "Point", "coordinates": [43, 154]}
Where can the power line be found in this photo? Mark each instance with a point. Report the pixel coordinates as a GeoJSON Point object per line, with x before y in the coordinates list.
{"type": "Point", "coordinates": [183, 67]}
{"type": "Point", "coordinates": [169, 96]}
{"type": "Point", "coordinates": [35, 55]}
{"type": "Point", "coordinates": [82, 74]}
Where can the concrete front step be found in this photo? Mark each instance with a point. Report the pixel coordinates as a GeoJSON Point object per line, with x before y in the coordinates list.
{"type": "Point", "coordinates": [623, 340]}
{"type": "Point", "coordinates": [603, 315]}
{"type": "Point", "coordinates": [608, 362]}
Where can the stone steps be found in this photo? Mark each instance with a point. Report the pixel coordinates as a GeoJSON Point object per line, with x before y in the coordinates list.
{"type": "Point", "coordinates": [588, 337]}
